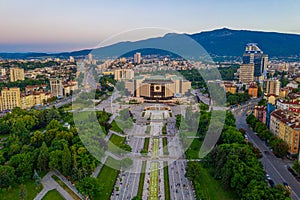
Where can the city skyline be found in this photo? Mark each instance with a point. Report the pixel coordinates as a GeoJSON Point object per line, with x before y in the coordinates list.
{"type": "Point", "coordinates": [55, 26]}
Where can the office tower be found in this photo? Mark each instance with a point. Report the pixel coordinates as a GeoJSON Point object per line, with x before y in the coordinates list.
{"type": "Point", "coordinates": [10, 98]}
{"type": "Point", "coordinates": [246, 73]}
{"type": "Point", "coordinates": [137, 58]}
{"type": "Point", "coordinates": [123, 74]}
{"type": "Point", "coordinates": [254, 55]}
{"type": "Point", "coordinates": [56, 87]}
{"type": "Point", "coordinates": [273, 86]}
{"type": "Point", "coordinates": [16, 74]}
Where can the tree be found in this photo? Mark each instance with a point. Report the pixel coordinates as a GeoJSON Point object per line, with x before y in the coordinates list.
{"type": "Point", "coordinates": [66, 160]}
{"type": "Point", "coordinates": [280, 147]}
{"type": "Point", "coordinates": [37, 139]}
{"type": "Point", "coordinates": [19, 130]}
{"type": "Point", "coordinates": [231, 135]}
{"type": "Point", "coordinates": [7, 176]}
{"type": "Point", "coordinates": [4, 127]}
{"type": "Point", "coordinates": [296, 166]}
{"type": "Point", "coordinates": [43, 157]}
{"type": "Point", "coordinates": [23, 165]}
{"type": "Point", "coordinates": [55, 159]}
{"type": "Point", "coordinates": [89, 187]}
{"type": "Point", "coordinates": [54, 124]}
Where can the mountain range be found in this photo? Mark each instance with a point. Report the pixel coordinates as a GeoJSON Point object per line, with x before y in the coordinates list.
{"type": "Point", "coordinates": [219, 42]}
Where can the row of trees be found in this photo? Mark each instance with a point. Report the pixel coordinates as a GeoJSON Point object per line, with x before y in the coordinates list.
{"type": "Point", "coordinates": [280, 147]}
{"type": "Point", "coordinates": [38, 140]}
{"type": "Point", "coordinates": [234, 162]}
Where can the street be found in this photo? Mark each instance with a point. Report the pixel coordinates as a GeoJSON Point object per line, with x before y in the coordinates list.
{"type": "Point", "coordinates": [275, 167]}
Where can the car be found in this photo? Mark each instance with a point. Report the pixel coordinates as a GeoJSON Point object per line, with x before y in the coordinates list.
{"type": "Point", "coordinates": [268, 177]}
{"type": "Point", "coordinates": [271, 182]}
{"type": "Point", "coordinates": [286, 185]}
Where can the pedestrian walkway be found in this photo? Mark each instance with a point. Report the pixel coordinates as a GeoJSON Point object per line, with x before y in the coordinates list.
{"type": "Point", "coordinates": [50, 184]}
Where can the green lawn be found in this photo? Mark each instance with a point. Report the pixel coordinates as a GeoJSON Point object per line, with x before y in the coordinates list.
{"type": "Point", "coordinates": [142, 179]}
{"type": "Point", "coordinates": [53, 195]}
{"type": "Point", "coordinates": [165, 145]}
{"type": "Point", "coordinates": [166, 181]}
{"type": "Point", "coordinates": [115, 127]}
{"type": "Point", "coordinates": [213, 189]}
{"type": "Point", "coordinates": [116, 143]}
{"type": "Point", "coordinates": [146, 145]}
{"type": "Point", "coordinates": [193, 150]}
{"type": "Point", "coordinates": [107, 177]}
{"type": "Point", "coordinates": [148, 129]}
{"type": "Point", "coordinates": [14, 193]}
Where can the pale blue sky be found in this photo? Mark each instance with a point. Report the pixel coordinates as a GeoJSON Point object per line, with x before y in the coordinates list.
{"type": "Point", "coordinates": [59, 25]}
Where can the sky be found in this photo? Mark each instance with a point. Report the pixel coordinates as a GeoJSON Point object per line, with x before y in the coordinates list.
{"type": "Point", "coordinates": [67, 25]}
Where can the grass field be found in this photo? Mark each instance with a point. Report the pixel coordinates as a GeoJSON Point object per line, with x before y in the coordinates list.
{"type": "Point", "coordinates": [65, 187]}
{"type": "Point", "coordinates": [193, 150]}
{"type": "Point", "coordinates": [142, 179]}
{"type": "Point", "coordinates": [212, 189]}
{"type": "Point", "coordinates": [148, 129]}
{"type": "Point", "coordinates": [165, 145]}
{"type": "Point", "coordinates": [116, 143]}
{"type": "Point", "coordinates": [166, 181]}
{"type": "Point", "coordinates": [155, 148]}
{"type": "Point", "coordinates": [53, 195]}
{"type": "Point", "coordinates": [14, 193]}
{"type": "Point", "coordinates": [154, 182]}
{"type": "Point", "coordinates": [107, 177]}
{"type": "Point", "coordinates": [115, 127]}
{"type": "Point", "coordinates": [144, 151]}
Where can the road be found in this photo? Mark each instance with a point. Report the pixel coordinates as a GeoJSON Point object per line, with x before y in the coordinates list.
{"type": "Point", "coordinates": [274, 166]}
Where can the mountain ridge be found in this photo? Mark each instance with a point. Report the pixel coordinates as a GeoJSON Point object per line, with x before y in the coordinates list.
{"type": "Point", "coordinates": [218, 42]}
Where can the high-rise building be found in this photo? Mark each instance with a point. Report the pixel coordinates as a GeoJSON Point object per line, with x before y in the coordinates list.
{"type": "Point", "coordinates": [123, 74]}
{"type": "Point", "coordinates": [2, 71]}
{"type": "Point", "coordinates": [137, 58]}
{"type": "Point", "coordinates": [16, 74]}
{"type": "Point", "coordinates": [273, 86]}
{"type": "Point", "coordinates": [90, 57]}
{"type": "Point", "coordinates": [246, 73]}
{"type": "Point", "coordinates": [254, 55]}
{"type": "Point", "coordinates": [56, 87]}
{"type": "Point", "coordinates": [10, 98]}
{"type": "Point", "coordinates": [71, 59]}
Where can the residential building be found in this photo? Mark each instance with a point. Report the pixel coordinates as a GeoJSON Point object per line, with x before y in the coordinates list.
{"type": "Point", "coordinates": [246, 73]}
{"type": "Point", "coordinates": [260, 112]}
{"type": "Point", "coordinates": [271, 98]}
{"type": "Point", "coordinates": [10, 98]}
{"type": "Point", "coordinates": [273, 86]}
{"type": "Point", "coordinates": [230, 87]}
{"type": "Point", "coordinates": [286, 104]}
{"type": "Point", "coordinates": [137, 58]}
{"type": "Point", "coordinates": [2, 71]}
{"type": "Point", "coordinates": [16, 74]}
{"type": "Point", "coordinates": [56, 87]}
{"type": "Point", "coordinates": [286, 125]}
{"type": "Point", "coordinates": [253, 90]}
{"type": "Point", "coordinates": [123, 74]}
